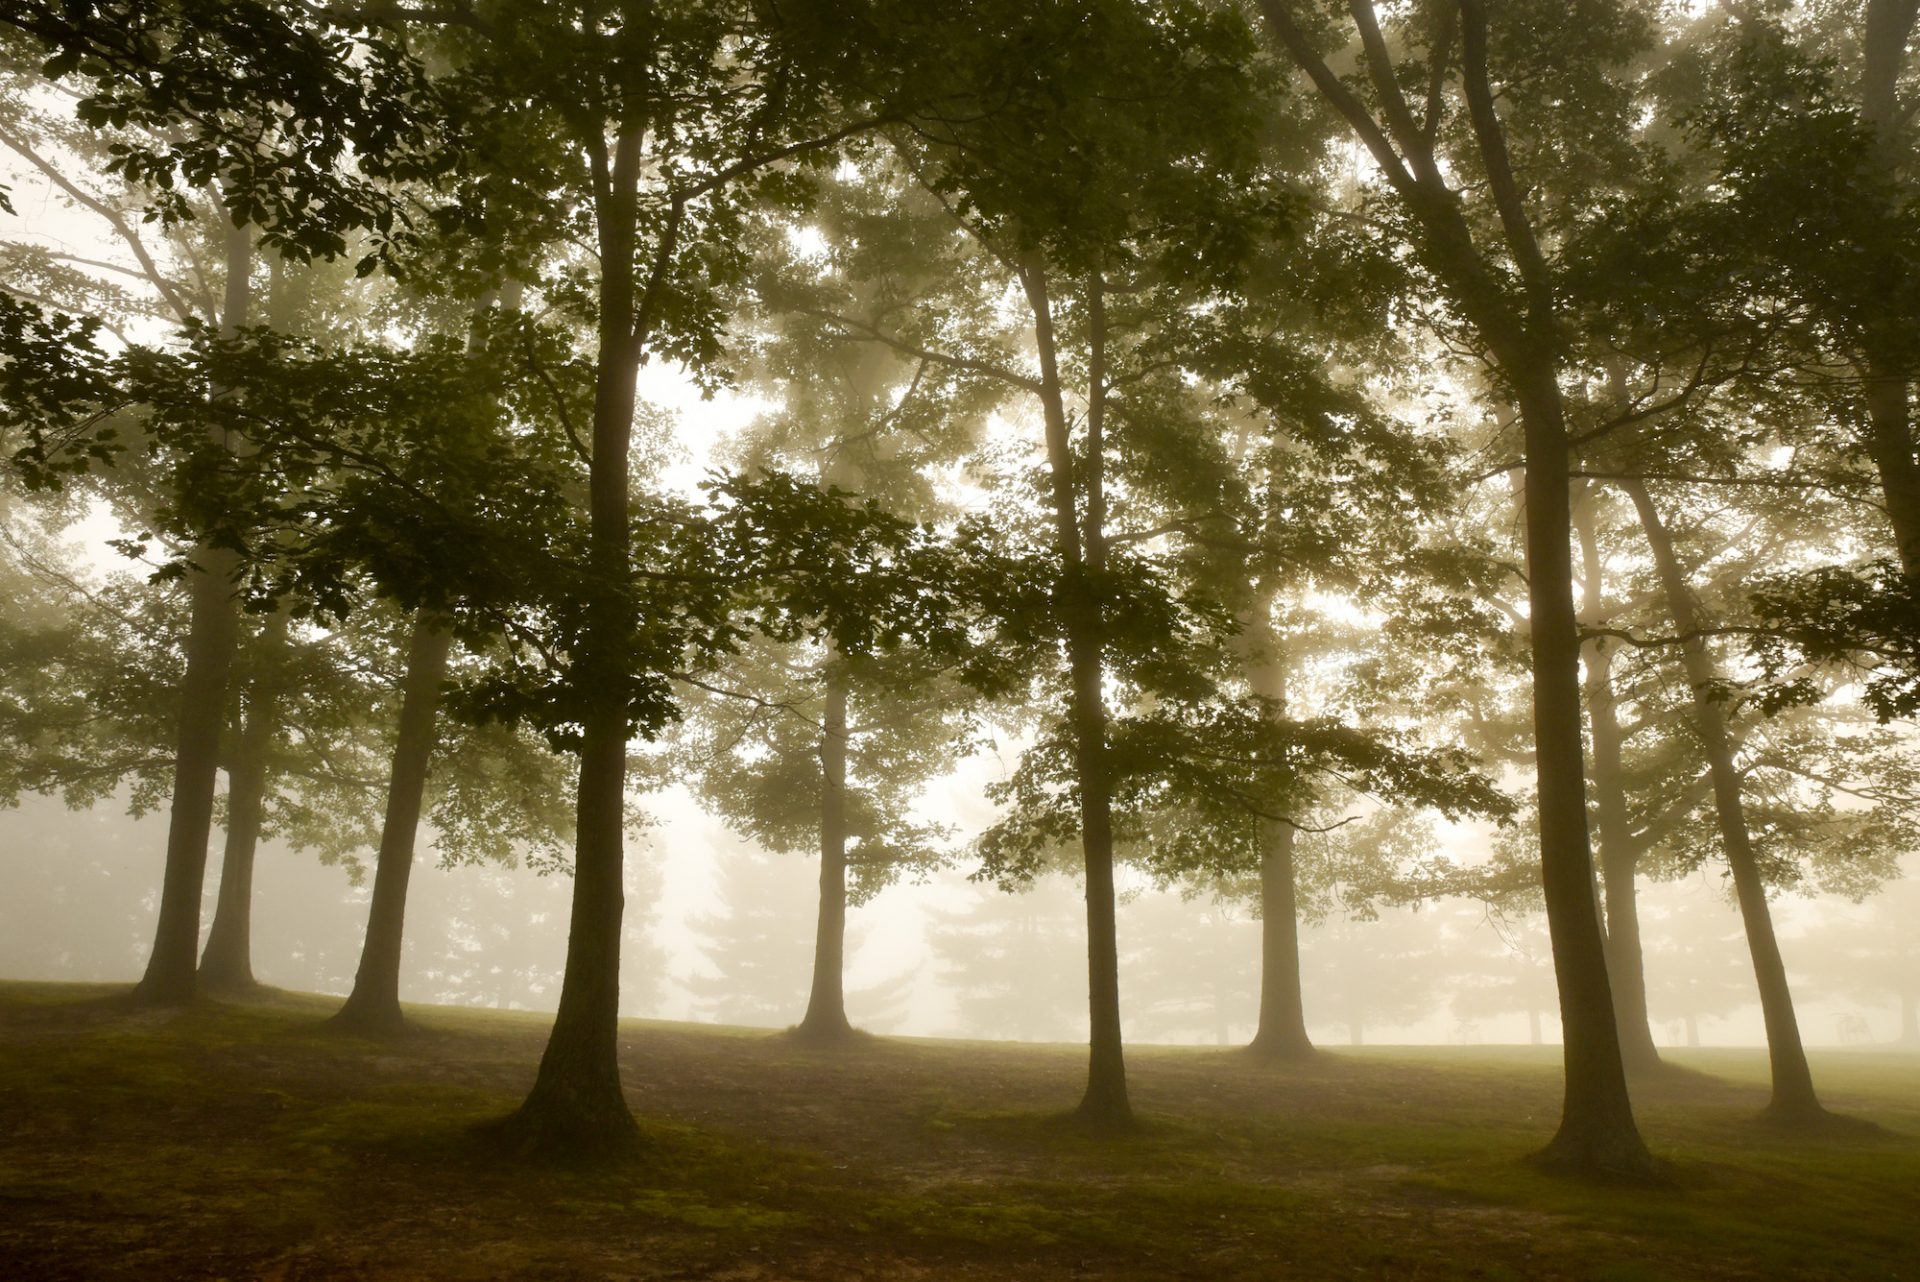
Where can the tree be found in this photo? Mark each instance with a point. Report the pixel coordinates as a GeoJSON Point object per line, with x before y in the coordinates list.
{"type": "Point", "coordinates": [1501, 281]}
{"type": "Point", "coordinates": [810, 747]}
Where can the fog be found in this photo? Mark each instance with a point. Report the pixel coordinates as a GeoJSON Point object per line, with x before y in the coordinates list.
{"type": "Point", "coordinates": [720, 931]}
{"type": "Point", "coordinates": [853, 639]}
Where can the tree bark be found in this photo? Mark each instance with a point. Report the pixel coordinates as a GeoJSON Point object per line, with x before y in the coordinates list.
{"type": "Point", "coordinates": [1620, 846]}
{"type": "Point", "coordinates": [373, 1007]}
{"type": "Point", "coordinates": [1597, 1132]}
{"type": "Point", "coordinates": [226, 964]}
{"type": "Point", "coordinates": [1282, 1033]}
{"type": "Point", "coordinates": [1793, 1100]}
{"type": "Point", "coordinates": [576, 1108]}
{"type": "Point", "coordinates": [826, 1017]}
{"type": "Point", "coordinates": [1105, 1102]}
{"type": "Point", "coordinates": [1887, 28]}
{"type": "Point", "coordinates": [212, 631]}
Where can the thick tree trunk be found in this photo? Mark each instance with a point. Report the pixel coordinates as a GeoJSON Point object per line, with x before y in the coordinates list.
{"type": "Point", "coordinates": [1597, 1133]}
{"type": "Point", "coordinates": [1793, 1095]}
{"type": "Point", "coordinates": [1890, 442]}
{"type": "Point", "coordinates": [826, 1017]}
{"type": "Point", "coordinates": [576, 1108]}
{"type": "Point", "coordinates": [374, 1004]}
{"type": "Point", "coordinates": [226, 964]}
{"type": "Point", "coordinates": [1887, 28]}
{"type": "Point", "coordinates": [1105, 1102]}
{"type": "Point", "coordinates": [1620, 846]}
{"type": "Point", "coordinates": [212, 631]}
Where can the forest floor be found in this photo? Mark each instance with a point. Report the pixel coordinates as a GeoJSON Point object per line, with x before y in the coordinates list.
{"type": "Point", "coordinates": [242, 1141]}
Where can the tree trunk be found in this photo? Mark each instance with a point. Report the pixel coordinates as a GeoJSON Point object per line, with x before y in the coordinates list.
{"type": "Point", "coordinates": [226, 964]}
{"type": "Point", "coordinates": [576, 1108]}
{"type": "Point", "coordinates": [1693, 1030]}
{"type": "Point", "coordinates": [212, 631]}
{"type": "Point", "coordinates": [1620, 847]}
{"type": "Point", "coordinates": [373, 1006]}
{"type": "Point", "coordinates": [1597, 1130]}
{"type": "Point", "coordinates": [1597, 1133]}
{"type": "Point", "coordinates": [1910, 1019]}
{"type": "Point", "coordinates": [1887, 28]}
{"type": "Point", "coordinates": [1793, 1095]}
{"type": "Point", "coordinates": [1282, 1033]}
{"type": "Point", "coordinates": [1533, 1026]}
{"type": "Point", "coordinates": [826, 1017]}
{"type": "Point", "coordinates": [1105, 1102]}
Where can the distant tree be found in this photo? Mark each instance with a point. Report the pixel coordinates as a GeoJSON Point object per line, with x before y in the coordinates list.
{"type": "Point", "coordinates": [1185, 966]}
{"type": "Point", "coordinates": [757, 944]}
{"type": "Point", "coordinates": [1517, 977]}
{"type": "Point", "coordinates": [808, 747]}
{"type": "Point", "coordinates": [1009, 961]}
{"type": "Point", "coordinates": [1870, 954]}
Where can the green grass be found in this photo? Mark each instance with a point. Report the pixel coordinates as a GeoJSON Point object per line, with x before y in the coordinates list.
{"type": "Point", "coordinates": [245, 1141]}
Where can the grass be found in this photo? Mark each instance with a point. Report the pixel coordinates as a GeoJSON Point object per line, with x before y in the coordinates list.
{"type": "Point", "coordinates": [243, 1141]}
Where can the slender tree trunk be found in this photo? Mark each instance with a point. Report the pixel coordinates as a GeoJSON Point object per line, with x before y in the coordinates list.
{"type": "Point", "coordinates": [1693, 1030]}
{"type": "Point", "coordinates": [1597, 1131]}
{"type": "Point", "coordinates": [826, 1017]}
{"type": "Point", "coordinates": [1597, 1134]}
{"type": "Point", "coordinates": [576, 1108]}
{"type": "Point", "coordinates": [1910, 1019]}
{"type": "Point", "coordinates": [374, 1004]}
{"type": "Point", "coordinates": [226, 964]}
{"type": "Point", "coordinates": [212, 631]}
{"type": "Point", "coordinates": [1619, 845]}
{"type": "Point", "coordinates": [1105, 1102]}
{"type": "Point", "coordinates": [1282, 1033]}
{"type": "Point", "coordinates": [1533, 1026]}
{"type": "Point", "coordinates": [1793, 1095]}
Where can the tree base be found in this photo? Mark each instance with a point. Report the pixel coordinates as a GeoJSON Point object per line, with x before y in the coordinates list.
{"type": "Point", "coordinates": [828, 1035]}
{"type": "Point", "coordinates": [1280, 1050]}
{"type": "Point", "coordinates": [1813, 1120]}
{"type": "Point", "coordinates": [1644, 1064]}
{"type": "Point", "coordinates": [238, 989]}
{"type": "Point", "coordinates": [373, 1022]}
{"type": "Point", "coordinates": [1602, 1159]}
{"type": "Point", "coordinates": [1105, 1112]}
{"type": "Point", "coordinates": [564, 1129]}
{"type": "Point", "coordinates": [163, 991]}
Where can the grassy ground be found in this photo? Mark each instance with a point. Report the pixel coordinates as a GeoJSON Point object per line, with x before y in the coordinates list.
{"type": "Point", "coordinates": [244, 1142]}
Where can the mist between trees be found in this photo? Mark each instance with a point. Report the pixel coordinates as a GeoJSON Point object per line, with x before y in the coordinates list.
{"type": "Point", "coordinates": [949, 958]}
{"type": "Point", "coordinates": [1419, 503]}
